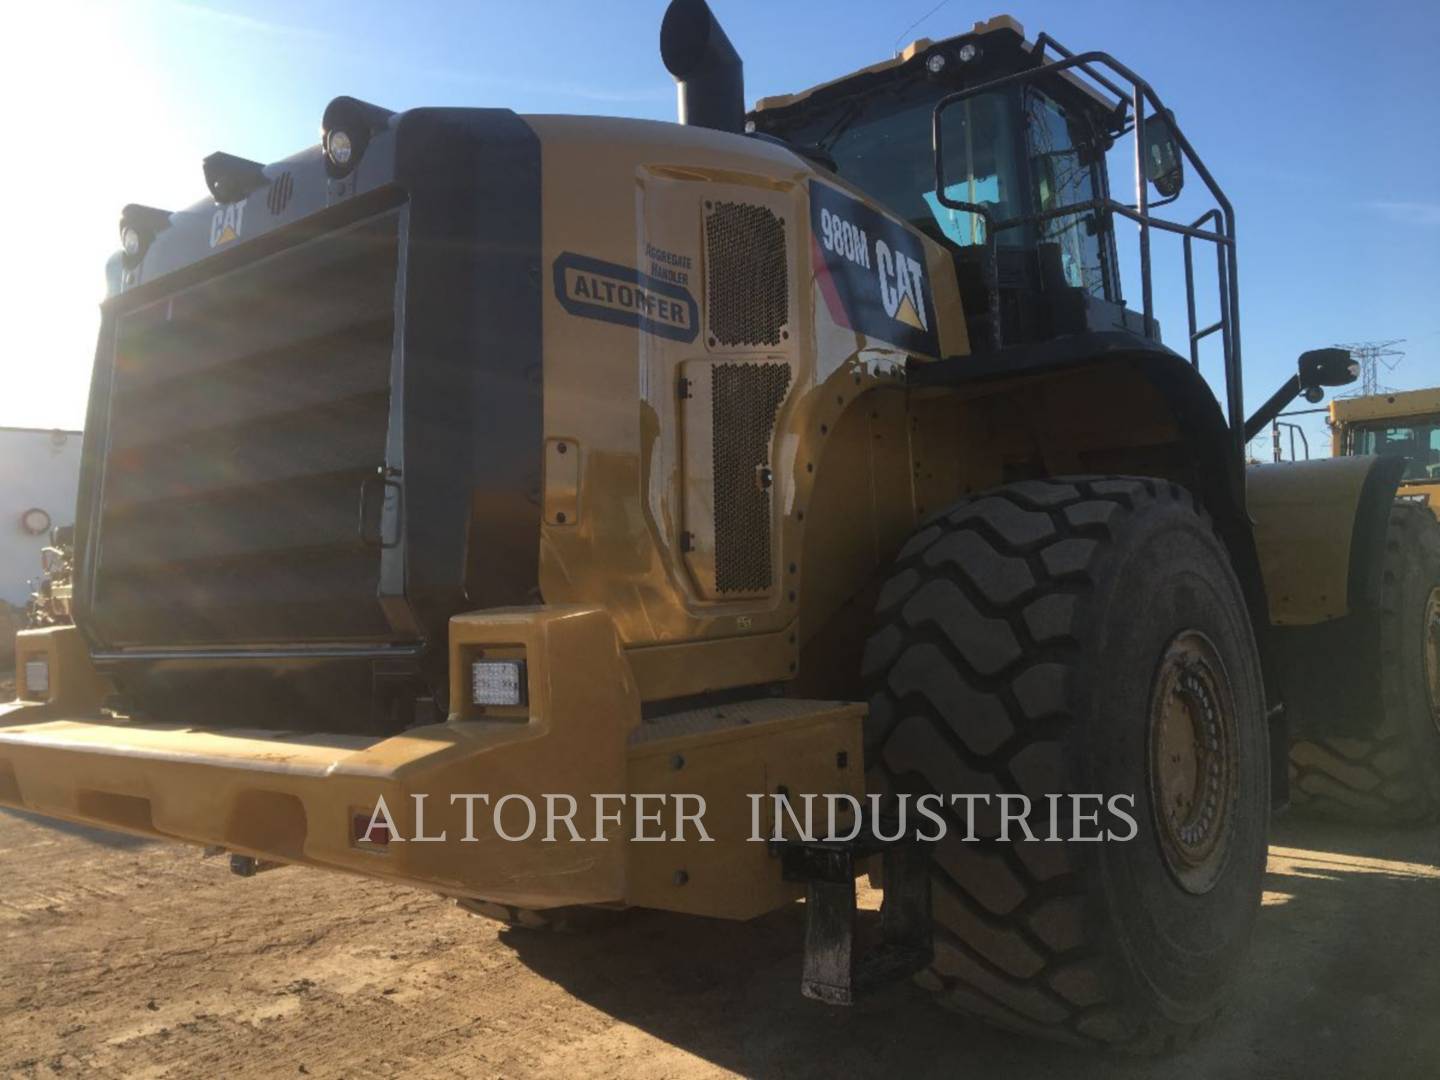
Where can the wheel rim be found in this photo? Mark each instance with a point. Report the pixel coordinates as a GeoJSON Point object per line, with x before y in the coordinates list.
{"type": "Point", "coordinates": [1432, 654]}
{"type": "Point", "coordinates": [1192, 758]}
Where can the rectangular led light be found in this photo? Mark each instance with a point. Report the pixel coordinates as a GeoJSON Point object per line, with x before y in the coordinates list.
{"type": "Point", "coordinates": [37, 678]}
{"type": "Point", "coordinates": [497, 682]}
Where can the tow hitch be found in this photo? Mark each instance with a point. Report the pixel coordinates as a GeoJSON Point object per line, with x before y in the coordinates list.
{"type": "Point", "coordinates": [834, 971]}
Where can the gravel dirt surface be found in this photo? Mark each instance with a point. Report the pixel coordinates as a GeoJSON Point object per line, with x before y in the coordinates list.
{"type": "Point", "coordinates": [124, 957]}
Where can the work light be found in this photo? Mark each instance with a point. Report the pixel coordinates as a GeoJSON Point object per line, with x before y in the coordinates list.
{"type": "Point", "coordinates": [339, 147]}
{"type": "Point", "coordinates": [345, 132]}
{"type": "Point", "coordinates": [37, 679]}
{"type": "Point", "coordinates": [497, 682]}
{"type": "Point", "coordinates": [138, 227]}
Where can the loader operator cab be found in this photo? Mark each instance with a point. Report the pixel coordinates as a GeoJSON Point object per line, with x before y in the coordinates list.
{"type": "Point", "coordinates": [1416, 439]}
{"type": "Point", "coordinates": [1020, 152]}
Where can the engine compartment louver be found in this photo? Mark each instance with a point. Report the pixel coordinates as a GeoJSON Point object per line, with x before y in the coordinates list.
{"type": "Point", "coordinates": [744, 401]}
{"type": "Point", "coordinates": [747, 275]}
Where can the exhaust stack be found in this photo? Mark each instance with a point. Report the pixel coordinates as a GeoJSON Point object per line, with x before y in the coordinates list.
{"type": "Point", "coordinates": [708, 72]}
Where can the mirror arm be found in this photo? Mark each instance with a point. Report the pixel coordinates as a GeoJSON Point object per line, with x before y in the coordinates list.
{"type": "Point", "coordinates": [1159, 202]}
{"type": "Point", "coordinates": [1272, 408]}
{"type": "Point", "coordinates": [1319, 368]}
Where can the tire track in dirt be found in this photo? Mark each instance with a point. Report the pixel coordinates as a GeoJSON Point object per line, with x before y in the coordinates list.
{"type": "Point", "coordinates": [126, 958]}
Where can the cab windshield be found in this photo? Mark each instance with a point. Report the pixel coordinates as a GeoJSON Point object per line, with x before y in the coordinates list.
{"type": "Point", "coordinates": [882, 145]}
{"type": "Point", "coordinates": [1417, 440]}
{"type": "Point", "coordinates": [995, 144]}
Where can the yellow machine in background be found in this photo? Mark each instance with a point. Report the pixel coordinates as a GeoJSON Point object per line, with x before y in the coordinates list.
{"type": "Point", "coordinates": [1372, 766]}
{"type": "Point", "coordinates": [1403, 424]}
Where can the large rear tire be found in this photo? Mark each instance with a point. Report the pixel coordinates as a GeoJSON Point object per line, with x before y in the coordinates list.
{"type": "Point", "coordinates": [1390, 774]}
{"type": "Point", "coordinates": [1067, 636]}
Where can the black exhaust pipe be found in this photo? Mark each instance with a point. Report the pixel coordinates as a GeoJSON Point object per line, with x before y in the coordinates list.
{"type": "Point", "coordinates": [706, 67]}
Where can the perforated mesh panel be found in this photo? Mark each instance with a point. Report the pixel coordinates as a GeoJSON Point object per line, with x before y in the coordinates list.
{"type": "Point", "coordinates": [747, 282]}
{"type": "Point", "coordinates": [744, 399]}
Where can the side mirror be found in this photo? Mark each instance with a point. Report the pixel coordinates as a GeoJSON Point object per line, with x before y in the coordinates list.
{"type": "Point", "coordinates": [1164, 166]}
{"type": "Point", "coordinates": [1328, 367]}
{"type": "Point", "coordinates": [1318, 368]}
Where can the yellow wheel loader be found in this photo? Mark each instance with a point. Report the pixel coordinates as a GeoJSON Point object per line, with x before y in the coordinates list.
{"type": "Point", "coordinates": [1385, 766]}
{"type": "Point", "coordinates": [474, 498]}
{"type": "Point", "coordinates": [1403, 424]}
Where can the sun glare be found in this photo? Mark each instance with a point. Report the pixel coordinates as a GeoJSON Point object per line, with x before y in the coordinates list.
{"type": "Point", "coordinates": [98, 130]}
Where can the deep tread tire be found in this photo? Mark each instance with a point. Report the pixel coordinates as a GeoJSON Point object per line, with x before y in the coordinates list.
{"type": "Point", "coordinates": [1391, 776]}
{"type": "Point", "coordinates": [1017, 639]}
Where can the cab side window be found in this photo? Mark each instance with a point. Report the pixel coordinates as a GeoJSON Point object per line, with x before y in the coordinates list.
{"type": "Point", "coordinates": [1060, 178]}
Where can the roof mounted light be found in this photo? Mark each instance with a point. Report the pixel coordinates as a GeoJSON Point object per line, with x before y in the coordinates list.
{"type": "Point", "coordinates": [139, 225]}
{"type": "Point", "coordinates": [339, 147]}
{"type": "Point", "coordinates": [968, 53]}
{"type": "Point", "coordinates": [231, 178]}
{"type": "Point", "coordinates": [345, 132]}
{"type": "Point", "coordinates": [935, 63]}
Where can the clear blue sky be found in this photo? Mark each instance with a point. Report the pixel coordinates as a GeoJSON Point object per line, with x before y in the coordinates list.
{"type": "Point", "coordinates": [1320, 121]}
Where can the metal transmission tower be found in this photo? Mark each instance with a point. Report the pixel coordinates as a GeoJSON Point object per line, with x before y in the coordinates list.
{"type": "Point", "coordinates": [1372, 356]}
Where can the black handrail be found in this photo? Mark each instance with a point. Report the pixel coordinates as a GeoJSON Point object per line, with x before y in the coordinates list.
{"type": "Point", "coordinates": [1222, 325]}
{"type": "Point", "coordinates": [1223, 235]}
{"type": "Point", "coordinates": [1045, 40]}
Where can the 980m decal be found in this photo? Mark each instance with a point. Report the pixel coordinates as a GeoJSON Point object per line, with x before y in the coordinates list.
{"type": "Point", "coordinates": [871, 271]}
{"type": "Point", "coordinates": [612, 293]}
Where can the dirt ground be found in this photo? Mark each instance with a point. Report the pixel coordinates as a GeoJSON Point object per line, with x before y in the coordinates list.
{"type": "Point", "coordinates": [122, 957]}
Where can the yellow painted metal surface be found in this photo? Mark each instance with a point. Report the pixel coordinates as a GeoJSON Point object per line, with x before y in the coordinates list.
{"type": "Point", "coordinates": [1426, 492]}
{"type": "Point", "coordinates": [562, 481]}
{"type": "Point", "coordinates": [637, 537]}
{"type": "Point", "coordinates": [302, 798]}
{"type": "Point", "coordinates": [1346, 413]}
{"type": "Point", "coordinates": [73, 681]}
{"type": "Point", "coordinates": [691, 667]}
{"type": "Point", "coordinates": [1385, 406]}
{"type": "Point", "coordinates": [758, 748]}
{"type": "Point", "coordinates": [634, 194]}
{"type": "Point", "coordinates": [294, 797]}
{"type": "Point", "coordinates": [1304, 515]}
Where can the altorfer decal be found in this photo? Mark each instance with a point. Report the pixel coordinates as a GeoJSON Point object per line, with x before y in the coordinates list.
{"type": "Point", "coordinates": [612, 293]}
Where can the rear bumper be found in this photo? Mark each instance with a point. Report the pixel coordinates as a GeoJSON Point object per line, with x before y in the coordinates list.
{"type": "Point", "coordinates": [295, 797]}
{"type": "Point", "coordinates": [305, 797]}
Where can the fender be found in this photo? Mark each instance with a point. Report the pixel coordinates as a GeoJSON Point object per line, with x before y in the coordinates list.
{"type": "Point", "coordinates": [1320, 534]}
{"type": "Point", "coordinates": [1319, 527]}
{"type": "Point", "coordinates": [1209, 462]}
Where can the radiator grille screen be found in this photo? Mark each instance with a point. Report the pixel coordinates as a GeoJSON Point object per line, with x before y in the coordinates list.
{"type": "Point", "coordinates": [245, 413]}
{"type": "Point", "coordinates": [747, 281]}
{"type": "Point", "coordinates": [745, 398]}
